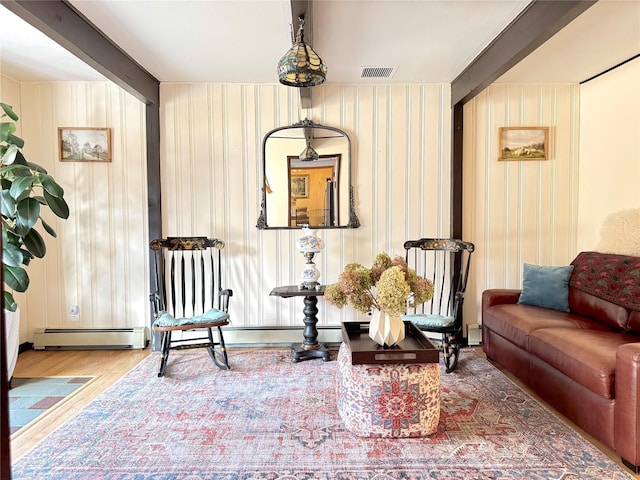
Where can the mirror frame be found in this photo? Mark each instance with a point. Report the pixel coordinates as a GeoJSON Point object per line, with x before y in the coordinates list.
{"type": "Point", "coordinates": [262, 218]}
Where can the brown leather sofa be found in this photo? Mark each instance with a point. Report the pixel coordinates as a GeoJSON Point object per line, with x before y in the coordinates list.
{"type": "Point", "coordinates": [584, 362]}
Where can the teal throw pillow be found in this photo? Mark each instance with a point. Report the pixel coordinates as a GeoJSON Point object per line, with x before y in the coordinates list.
{"type": "Point", "coordinates": [546, 286]}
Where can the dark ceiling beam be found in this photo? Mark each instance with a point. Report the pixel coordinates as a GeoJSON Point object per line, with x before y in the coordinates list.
{"type": "Point", "coordinates": [61, 22]}
{"type": "Point", "coordinates": [538, 22]}
{"type": "Point", "coordinates": [303, 8]}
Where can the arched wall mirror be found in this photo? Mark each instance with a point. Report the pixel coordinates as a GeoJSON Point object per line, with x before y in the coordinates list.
{"type": "Point", "coordinates": [306, 178]}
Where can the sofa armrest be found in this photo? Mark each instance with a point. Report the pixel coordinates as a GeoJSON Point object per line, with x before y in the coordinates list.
{"type": "Point", "coordinates": [627, 412]}
{"type": "Point", "coordinates": [498, 296]}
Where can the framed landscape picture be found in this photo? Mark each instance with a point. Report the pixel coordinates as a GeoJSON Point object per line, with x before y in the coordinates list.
{"type": "Point", "coordinates": [523, 143]}
{"type": "Point", "coordinates": [300, 186]}
{"type": "Point", "coordinates": [84, 144]}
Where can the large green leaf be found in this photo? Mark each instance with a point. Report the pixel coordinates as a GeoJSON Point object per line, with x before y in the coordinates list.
{"type": "Point", "coordinates": [34, 242]}
{"type": "Point", "coordinates": [9, 237]}
{"type": "Point", "coordinates": [20, 160]}
{"type": "Point", "coordinates": [8, 204]}
{"type": "Point", "coordinates": [16, 170]}
{"type": "Point", "coordinates": [9, 155]}
{"type": "Point", "coordinates": [15, 140]}
{"type": "Point", "coordinates": [11, 255]}
{"type": "Point", "coordinates": [6, 129]}
{"type": "Point", "coordinates": [9, 303]}
{"type": "Point", "coordinates": [8, 110]}
{"type": "Point", "coordinates": [35, 167]}
{"type": "Point", "coordinates": [16, 278]}
{"type": "Point", "coordinates": [21, 188]}
{"type": "Point", "coordinates": [28, 212]}
{"type": "Point", "coordinates": [50, 186]}
{"type": "Point", "coordinates": [57, 205]}
{"type": "Point", "coordinates": [48, 228]}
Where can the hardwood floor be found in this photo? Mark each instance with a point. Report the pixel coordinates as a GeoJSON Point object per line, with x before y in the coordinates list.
{"type": "Point", "coordinates": [108, 366]}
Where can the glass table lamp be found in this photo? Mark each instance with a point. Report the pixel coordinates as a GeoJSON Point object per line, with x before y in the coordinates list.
{"type": "Point", "coordinates": [309, 244]}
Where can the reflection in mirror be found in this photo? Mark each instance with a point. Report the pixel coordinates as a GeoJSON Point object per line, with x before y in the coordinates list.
{"type": "Point", "coordinates": [307, 178]}
{"type": "Point", "coordinates": [314, 195]}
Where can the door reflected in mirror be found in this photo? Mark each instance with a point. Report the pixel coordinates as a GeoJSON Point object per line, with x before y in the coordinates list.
{"type": "Point", "coordinates": [314, 194]}
{"type": "Point", "coordinates": [307, 178]}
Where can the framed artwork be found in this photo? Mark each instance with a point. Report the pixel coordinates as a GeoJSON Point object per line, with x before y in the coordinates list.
{"type": "Point", "coordinates": [300, 186]}
{"type": "Point", "coordinates": [523, 143]}
{"type": "Point", "coordinates": [84, 144]}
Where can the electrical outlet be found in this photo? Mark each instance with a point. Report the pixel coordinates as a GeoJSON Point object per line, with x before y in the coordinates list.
{"type": "Point", "coordinates": [74, 311]}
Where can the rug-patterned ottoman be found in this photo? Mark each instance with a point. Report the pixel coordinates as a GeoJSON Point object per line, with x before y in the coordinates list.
{"type": "Point", "coordinates": [388, 400]}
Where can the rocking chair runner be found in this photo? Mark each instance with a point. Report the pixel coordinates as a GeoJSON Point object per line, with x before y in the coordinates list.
{"type": "Point", "coordinates": [446, 263]}
{"type": "Point", "coordinates": [189, 295]}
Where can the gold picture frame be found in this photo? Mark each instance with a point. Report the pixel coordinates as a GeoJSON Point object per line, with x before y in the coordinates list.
{"type": "Point", "coordinates": [84, 144]}
{"type": "Point", "coordinates": [523, 143]}
{"type": "Point", "coordinates": [300, 186]}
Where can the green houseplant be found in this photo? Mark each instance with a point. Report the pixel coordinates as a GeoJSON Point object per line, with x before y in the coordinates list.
{"type": "Point", "coordinates": [26, 188]}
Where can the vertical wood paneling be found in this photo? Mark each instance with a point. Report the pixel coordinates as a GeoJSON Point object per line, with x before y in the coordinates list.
{"type": "Point", "coordinates": [386, 145]}
{"type": "Point", "coordinates": [517, 212]}
{"type": "Point", "coordinates": [99, 259]}
{"type": "Point", "coordinates": [610, 119]}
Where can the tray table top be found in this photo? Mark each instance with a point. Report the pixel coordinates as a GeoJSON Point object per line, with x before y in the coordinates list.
{"type": "Point", "coordinates": [415, 348]}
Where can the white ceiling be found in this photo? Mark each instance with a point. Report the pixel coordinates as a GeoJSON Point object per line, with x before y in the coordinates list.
{"type": "Point", "coordinates": [240, 41]}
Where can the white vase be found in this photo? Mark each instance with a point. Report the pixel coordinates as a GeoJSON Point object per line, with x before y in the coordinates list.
{"type": "Point", "coordinates": [385, 329]}
{"type": "Point", "coordinates": [12, 339]}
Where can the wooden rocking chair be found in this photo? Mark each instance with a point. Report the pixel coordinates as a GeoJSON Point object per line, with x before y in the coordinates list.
{"type": "Point", "coordinates": [446, 263]}
{"type": "Point", "coordinates": [188, 295]}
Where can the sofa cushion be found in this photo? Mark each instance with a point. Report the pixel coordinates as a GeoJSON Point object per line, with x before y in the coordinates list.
{"type": "Point", "coordinates": [585, 355]}
{"type": "Point", "coordinates": [546, 286]}
{"type": "Point", "coordinates": [603, 311]}
{"type": "Point", "coordinates": [516, 321]}
{"type": "Point", "coordinates": [634, 322]}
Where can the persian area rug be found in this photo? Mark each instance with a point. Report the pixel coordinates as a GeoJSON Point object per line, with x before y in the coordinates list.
{"type": "Point", "coordinates": [271, 419]}
{"type": "Point", "coordinates": [29, 398]}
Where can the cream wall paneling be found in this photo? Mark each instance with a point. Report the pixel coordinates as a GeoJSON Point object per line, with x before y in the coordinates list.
{"type": "Point", "coordinates": [400, 152]}
{"type": "Point", "coordinates": [10, 93]}
{"type": "Point", "coordinates": [519, 211]}
{"type": "Point", "coordinates": [211, 163]}
{"type": "Point", "coordinates": [610, 137]}
{"type": "Point", "coordinates": [99, 261]}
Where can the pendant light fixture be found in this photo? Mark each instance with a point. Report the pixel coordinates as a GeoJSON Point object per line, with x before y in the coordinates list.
{"type": "Point", "coordinates": [301, 66]}
{"type": "Point", "coordinates": [308, 154]}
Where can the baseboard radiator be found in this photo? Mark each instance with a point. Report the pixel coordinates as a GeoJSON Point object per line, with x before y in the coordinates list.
{"type": "Point", "coordinates": [89, 338]}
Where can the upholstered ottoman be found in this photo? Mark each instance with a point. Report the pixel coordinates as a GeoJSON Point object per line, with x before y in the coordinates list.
{"type": "Point", "coordinates": [388, 400]}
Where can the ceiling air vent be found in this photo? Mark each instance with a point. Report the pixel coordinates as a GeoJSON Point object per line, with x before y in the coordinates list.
{"type": "Point", "coordinates": [378, 72]}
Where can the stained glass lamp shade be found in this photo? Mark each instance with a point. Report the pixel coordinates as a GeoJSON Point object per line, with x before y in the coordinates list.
{"type": "Point", "coordinates": [301, 66]}
{"type": "Point", "coordinates": [309, 154]}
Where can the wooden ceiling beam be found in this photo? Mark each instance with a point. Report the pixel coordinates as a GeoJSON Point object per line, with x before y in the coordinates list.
{"type": "Point", "coordinates": [303, 8]}
{"type": "Point", "coordinates": [538, 22]}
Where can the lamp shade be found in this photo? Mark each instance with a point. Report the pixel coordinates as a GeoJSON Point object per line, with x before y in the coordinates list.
{"type": "Point", "coordinates": [310, 242]}
{"type": "Point", "coordinates": [308, 154]}
{"type": "Point", "coordinates": [301, 66]}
